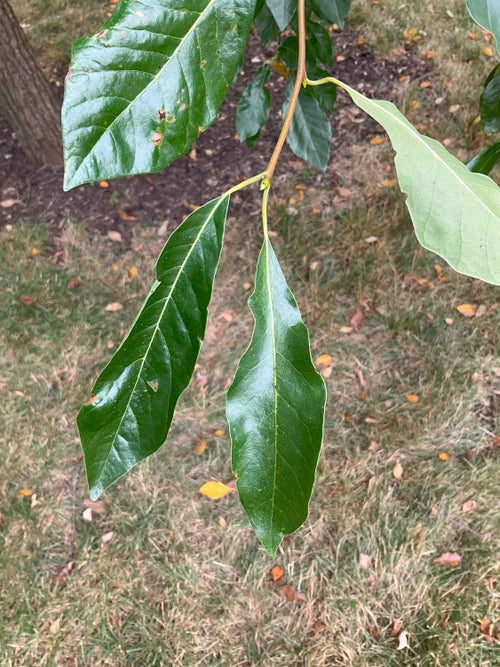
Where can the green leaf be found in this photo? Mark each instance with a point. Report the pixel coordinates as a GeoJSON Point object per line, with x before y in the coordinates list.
{"type": "Point", "coordinates": [282, 11]}
{"type": "Point", "coordinates": [275, 409]}
{"type": "Point", "coordinates": [484, 162]}
{"type": "Point", "coordinates": [489, 103]}
{"type": "Point", "coordinates": [133, 400]}
{"type": "Point", "coordinates": [253, 107]}
{"type": "Point", "coordinates": [456, 213]}
{"type": "Point", "coordinates": [487, 14]}
{"type": "Point", "coordinates": [319, 43]}
{"type": "Point", "coordinates": [310, 133]}
{"type": "Point", "coordinates": [333, 11]}
{"type": "Point", "coordinates": [266, 25]}
{"type": "Point", "coordinates": [140, 90]}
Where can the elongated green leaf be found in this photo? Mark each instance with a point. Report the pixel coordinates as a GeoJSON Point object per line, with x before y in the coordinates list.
{"type": "Point", "coordinates": [320, 43]}
{"type": "Point", "coordinates": [282, 11]}
{"type": "Point", "coordinates": [275, 410]}
{"type": "Point", "coordinates": [253, 107]}
{"type": "Point", "coordinates": [310, 133]}
{"type": "Point", "coordinates": [265, 24]}
{"type": "Point", "coordinates": [456, 213]}
{"type": "Point", "coordinates": [487, 14]}
{"type": "Point", "coordinates": [484, 162]}
{"type": "Point", "coordinates": [489, 103]}
{"type": "Point", "coordinates": [333, 11]}
{"type": "Point", "coordinates": [140, 90]}
{"type": "Point", "coordinates": [133, 400]}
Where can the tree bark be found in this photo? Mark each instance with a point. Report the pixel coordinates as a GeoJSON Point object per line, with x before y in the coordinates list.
{"type": "Point", "coordinates": [26, 99]}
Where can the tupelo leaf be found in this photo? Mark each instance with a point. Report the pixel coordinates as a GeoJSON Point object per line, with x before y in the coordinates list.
{"type": "Point", "coordinates": [135, 395]}
{"type": "Point", "coordinates": [282, 11]}
{"type": "Point", "coordinates": [489, 103]}
{"type": "Point", "coordinates": [275, 409]}
{"type": "Point", "coordinates": [310, 133]}
{"type": "Point", "coordinates": [140, 90]}
{"type": "Point", "coordinates": [455, 212]}
{"type": "Point", "coordinates": [487, 14]}
{"type": "Point", "coordinates": [253, 107]}
{"type": "Point", "coordinates": [484, 162]}
{"type": "Point", "coordinates": [333, 11]}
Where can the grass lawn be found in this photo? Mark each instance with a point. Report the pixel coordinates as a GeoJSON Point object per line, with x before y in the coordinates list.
{"type": "Point", "coordinates": [156, 574]}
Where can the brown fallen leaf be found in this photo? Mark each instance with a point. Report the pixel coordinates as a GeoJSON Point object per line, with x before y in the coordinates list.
{"type": "Point", "coordinates": [95, 505]}
{"type": "Point", "coordinates": [449, 559]}
{"type": "Point", "coordinates": [365, 561]}
{"type": "Point", "coordinates": [277, 573]}
{"type": "Point", "coordinates": [114, 235]}
{"type": "Point", "coordinates": [74, 282]}
{"type": "Point", "coordinates": [7, 203]}
{"type": "Point", "coordinates": [125, 216]}
{"type": "Point", "coordinates": [113, 307]}
{"type": "Point", "coordinates": [357, 319]}
{"type": "Point", "coordinates": [200, 446]}
{"type": "Point", "coordinates": [489, 631]}
{"type": "Point", "coordinates": [26, 300]}
{"type": "Point", "coordinates": [469, 506]}
{"type": "Point", "coordinates": [290, 594]}
{"type": "Point", "coordinates": [63, 573]}
{"type": "Point", "coordinates": [55, 626]}
{"type": "Point", "coordinates": [215, 490]}
{"type": "Point", "coordinates": [106, 538]}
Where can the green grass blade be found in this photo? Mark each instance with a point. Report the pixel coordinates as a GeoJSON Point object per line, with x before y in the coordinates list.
{"type": "Point", "coordinates": [455, 212]}
{"type": "Point", "coordinates": [275, 410]}
{"type": "Point", "coordinates": [140, 90]}
{"type": "Point", "coordinates": [134, 398]}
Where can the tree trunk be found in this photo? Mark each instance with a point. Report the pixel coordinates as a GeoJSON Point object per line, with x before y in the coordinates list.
{"type": "Point", "coordinates": [26, 99]}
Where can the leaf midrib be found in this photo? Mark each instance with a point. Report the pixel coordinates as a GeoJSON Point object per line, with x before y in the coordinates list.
{"type": "Point", "coordinates": [156, 328]}
{"type": "Point", "coordinates": [201, 16]}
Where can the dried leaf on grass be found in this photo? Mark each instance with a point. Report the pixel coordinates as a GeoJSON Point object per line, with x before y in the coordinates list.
{"type": "Point", "coordinates": [215, 490]}
{"type": "Point", "coordinates": [365, 561]}
{"type": "Point", "coordinates": [277, 573]}
{"type": "Point", "coordinates": [290, 594]}
{"type": "Point", "coordinates": [467, 309]}
{"type": "Point", "coordinates": [113, 307]}
{"type": "Point", "coordinates": [397, 471]}
{"type": "Point", "coordinates": [449, 559]}
{"type": "Point", "coordinates": [469, 506]}
{"type": "Point", "coordinates": [402, 641]}
{"type": "Point", "coordinates": [63, 573]}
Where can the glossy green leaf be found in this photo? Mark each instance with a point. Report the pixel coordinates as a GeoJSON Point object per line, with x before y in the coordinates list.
{"type": "Point", "coordinates": [275, 410]}
{"type": "Point", "coordinates": [455, 212]}
{"type": "Point", "coordinates": [487, 14]}
{"type": "Point", "coordinates": [489, 103]}
{"type": "Point", "coordinates": [140, 90]}
{"type": "Point", "coordinates": [266, 25]}
{"type": "Point", "coordinates": [310, 133]}
{"type": "Point", "coordinates": [133, 400]}
{"type": "Point", "coordinates": [253, 107]}
{"type": "Point", "coordinates": [319, 43]}
{"type": "Point", "coordinates": [484, 162]}
{"type": "Point", "coordinates": [282, 11]}
{"type": "Point", "coordinates": [333, 11]}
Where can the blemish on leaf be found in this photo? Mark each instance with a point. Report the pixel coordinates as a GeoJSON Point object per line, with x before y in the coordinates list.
{"type": "Point", "coordinates": [203, 64]}
{"type": "Point", "coordinates": [153, 384]}
{"type": "Point", "coordinates": [157, 138]}
{"type": "Point", "coordinates": [93, 400]}
{"type": "Point", "coordinates": [100, 34]}
{"type": "Point", "coordinates": [162, 114]}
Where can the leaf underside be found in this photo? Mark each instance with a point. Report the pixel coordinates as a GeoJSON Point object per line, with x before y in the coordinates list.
{"type": "Point", "coordinates": [487, 14]}
{"type": "Point", "coordinates": [140, 90]}
{"type": "Point", "coordinates": [455, 212]}
{"type": "Point", "coordinates": [133, 400]}
{"type": "Point", "coordinates": [275, 409]}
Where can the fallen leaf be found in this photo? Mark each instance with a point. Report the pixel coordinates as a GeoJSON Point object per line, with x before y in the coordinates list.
{"type": "Point", "coordinates": [357, 319]}
{"type": "Point", "coordinates": [215, 490]}
{"type": "Point", "coordinates": [469, 506]}
{"type": "Point", "coordinates": [87, 514]}
{"type": "Point", "coordinates": [425, 84]}
{"type": "Point", "coordinates": [397, 471]}
{"type": "Point", "coordinates": [200, 447]}
{"type": "Point", "coordinates": [26, 300]}
{"type": "Point", "coordinates": [489, 631]}
{"type": "Point", "coordinates": [7, 203]}
{"type": "Point", "coordinates": [402, 641]}
{"type": "Point", "coordinates": [93, 399]}
{"type": "Point", "coordinates": [114, 235]}
{"type": "Point", "coordinates": [290, 594]}
{"type": "Point", "coordinates": [55, 626]}
{"type": "Point", "coordinates": [480, 310]}
{"type": "Point", "coordinates": [430, 54]}
{"type": "Point", "coordinates": [113, 307]}
{"type": "Point", "coordinates": [324, 360]}
{"type": "Point", "coordinates": [226, 316]}
{"type": "Point", "coordinates": [388, 182]}
{"type": "Point", "coordinates": [35, 251]}
{"type": "Point", "coordinates": [448, 320]}
{"type": "Point", "coordinates": [95, 505]}
{"type": "Point", "coordinates": [444, 456]}
{"type": "Point", "coordinates": [106, 538]}
{"type": "Point", "coordinates": [103, 184]}
{"type": "Point", "coordinates": [371, 239]}
{"type": "Point", "coordinates": [488, 51]}
{"type": "Point", "coordinates": [377, 140]}
{"type": "Point", "coordinates": [326, 372]}
{"type": "Point", "coordinates": [277, 573]}
{"type": "Point", "coordinates": [63, 573]}
{"type": "Point", "coordinates": [74, 282]}
{"type": "Point", "coordinates": [34, 501]}
{"type": "Point", "coordinates": [365, 561]}
{"type": "Point", "coordinates": [25, 493]}
{"type": "Point", "coordinates": [132, 272]}
{"type": "Point", "coordinates": [412, 398]}
{"type": "Point", "coordinates": [373, 632]}
{"type": "Point", "coordinates": [449, 559]}
{"type": "Point", "coordinates": [125, 216]}
{"type": "Point", "coordinates": [467, 309]}
{"type": "Point", "coordinates": [219, 433]}
{"type": "Point", "coordinates": [397, 626]}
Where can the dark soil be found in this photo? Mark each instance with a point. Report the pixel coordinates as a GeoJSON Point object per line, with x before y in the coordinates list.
{"type": "Point", "coordinates": [217, 162]}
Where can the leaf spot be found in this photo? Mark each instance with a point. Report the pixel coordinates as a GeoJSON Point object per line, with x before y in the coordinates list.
{"type": "Point", "coordinates": [203, 64]}
{"type": "Point", "coordinates": [157, 138]}
{"type": "Point", "coordinates": [162, 114]}
{"type": "Point", "coordinates": [153, 384]}
{"type": "Point", "coordinates": [100, 34]}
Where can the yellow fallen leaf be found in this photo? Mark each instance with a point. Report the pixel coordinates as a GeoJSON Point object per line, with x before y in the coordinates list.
{"type": "Point", "coordinates": [397, 471]}
{"type": "Point", "coordinates": [425, 84]}
{"type": "Point", "coordinates": [412, 398]}
{"type": "Point", "coordinates": [467, 309]}
{"type": "Point", "coordinates": [132, 272]}
{"type": "Point", "coordinates": [35, 251]}
{"type": "Point", "coordinates": [377, 140]}
{"type": "Point", "coordinates": [113, 307]}
{"type": "Point", "coordinates": [215, 490]}
{"type": "Point", "coordinates": [444, 456]}
{"type": "Point", "coordinates": [324, 360]}
{"type": "Point", "coordinates": [26, 493]}
{"type": "Point", "coordinates": [388, 182]}
{"type": "Point", "coordinates": [200, 447]}
{"type": "Point", "coordinates": [54, 626]}
{"type": "Point", "coordinates": [219, 433]}
{"type": "Point", "coordinates": [488, 51]}
{"type": "Point", "coordinates": [430, 54]}
{"type": "Point", "coordinates": [103, 184]}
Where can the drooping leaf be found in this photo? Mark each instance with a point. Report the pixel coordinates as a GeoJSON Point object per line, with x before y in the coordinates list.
{"type": "Point", "coordinates": [140, 90]}
{"type": "Point", "coordinates": [275, 410]}
{"type": "Point", "coordinates": [265, 24]}
{"type": "Point", "coordinates": [455, 212]}
{"type": "Point", "coordinates": [282, 11]}
{"type": "Point", "coordinates": [484, 162]}
{"type": "Point", "coordinates": [333, 11]}
{"type": "Point", "coordinates": [489, 103]}
{"type": "Point", "coordinates": [310, 133]}
{"type": "Point", "coordinates": [253, 107]}
{"type": "Point", "coordinates": [487, 14]}
{"type": "Point", "coordinates": [320, 43]}
{"type": "Point", "coordinates": [133, 400]}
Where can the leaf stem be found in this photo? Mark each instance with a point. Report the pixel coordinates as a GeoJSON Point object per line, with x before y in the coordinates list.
{"type": "Point", "coordinates": [320, 82]}
{"type": "Point", "coordinates": [265, 199]}
{"type": "Point", "coordinates": [299, 80]}
{"type": "Point", "coordinates": [245, 183]}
